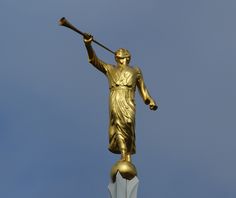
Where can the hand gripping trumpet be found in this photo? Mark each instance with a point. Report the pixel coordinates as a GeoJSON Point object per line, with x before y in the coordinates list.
{"type": "Point", "coordinates": [64, 22]}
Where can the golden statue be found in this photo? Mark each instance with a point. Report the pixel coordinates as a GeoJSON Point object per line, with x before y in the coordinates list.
{"type": "Point", "coordinates": [123, 80]}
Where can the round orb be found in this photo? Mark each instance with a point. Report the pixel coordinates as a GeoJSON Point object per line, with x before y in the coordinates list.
{"type": "Point", "coordinates": [126, 169]}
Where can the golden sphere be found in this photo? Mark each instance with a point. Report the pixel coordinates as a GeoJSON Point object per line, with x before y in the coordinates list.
{"type": "Point", "coordinates": [126, 169]}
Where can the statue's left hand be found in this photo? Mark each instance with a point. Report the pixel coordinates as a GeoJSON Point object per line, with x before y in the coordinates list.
{"type": "Point", "coordinates": [153, 106]}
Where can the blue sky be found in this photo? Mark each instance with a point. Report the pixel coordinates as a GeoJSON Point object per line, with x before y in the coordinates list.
{"type": "Point", "coordinates": [54, 105]}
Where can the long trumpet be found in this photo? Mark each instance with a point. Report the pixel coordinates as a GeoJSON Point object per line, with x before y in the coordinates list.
{"type": "Point", "coordinates": [64, 22]}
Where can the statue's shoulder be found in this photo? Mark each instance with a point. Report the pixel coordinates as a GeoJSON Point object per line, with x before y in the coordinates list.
{"type": "Point", "coordinates": [137, 69]}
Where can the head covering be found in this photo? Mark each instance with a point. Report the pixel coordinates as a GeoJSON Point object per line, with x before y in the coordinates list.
{"type": "Point", "coordinates": [122, 53]}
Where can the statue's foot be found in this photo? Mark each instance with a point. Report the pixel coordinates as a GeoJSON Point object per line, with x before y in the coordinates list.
{"type": "Point", "coordinates": [128, 157]}
{"type": "Point", "coordinates": [125, 157]}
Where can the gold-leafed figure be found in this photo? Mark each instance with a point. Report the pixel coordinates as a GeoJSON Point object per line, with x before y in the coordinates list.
{"type": "Point", "coordinates": [123, 81]}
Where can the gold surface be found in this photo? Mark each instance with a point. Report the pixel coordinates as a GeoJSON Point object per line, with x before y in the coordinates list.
{"type": "Point", "coordinates": [123, 81]}
{"type": "Point", "coordinates": [126, 169]}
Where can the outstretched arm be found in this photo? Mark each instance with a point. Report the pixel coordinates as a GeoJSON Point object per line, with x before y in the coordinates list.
{"type": "Point", "coordinates": [93, 59]}
{"type": "Point", "coordinates": [148, 100]}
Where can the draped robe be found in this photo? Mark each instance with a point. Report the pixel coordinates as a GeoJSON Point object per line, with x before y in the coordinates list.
{"type": "Point", "coordinates": [122, 84]}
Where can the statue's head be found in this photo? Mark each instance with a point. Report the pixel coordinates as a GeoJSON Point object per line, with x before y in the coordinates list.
{"type": "Point", "coordinates": [122, 56]}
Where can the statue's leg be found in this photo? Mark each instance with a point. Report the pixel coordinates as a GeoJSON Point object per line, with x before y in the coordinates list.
{"type": "Point", "coordinates": [128, 157]}
{"type": "Point", "coordinates": [123, 155]}
{"type": "Point", "coordinates": [122, 147]}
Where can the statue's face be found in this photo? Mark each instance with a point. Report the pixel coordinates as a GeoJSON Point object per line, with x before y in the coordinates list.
{"type": "Point", "coordinates": [124, 61]}
{"type": "Point", "coordinates": [122, 57]}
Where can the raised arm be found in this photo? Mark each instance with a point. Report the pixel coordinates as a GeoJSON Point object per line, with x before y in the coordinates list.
{"type": "Point", "coordinates": [148, 100]}
{"type": "Point", "coordinates": [92, 58]}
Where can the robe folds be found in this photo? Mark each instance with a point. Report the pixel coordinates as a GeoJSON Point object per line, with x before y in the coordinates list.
{"type": "Point", "coordinates": [122, 120]}
{"type": "Point", "coordinates": [122, 84]}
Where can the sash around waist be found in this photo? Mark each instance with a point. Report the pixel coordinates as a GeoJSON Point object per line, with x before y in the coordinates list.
{"type": "Point", "coordinates": [122, 87]}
